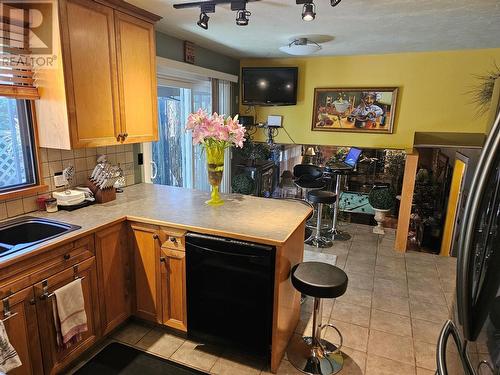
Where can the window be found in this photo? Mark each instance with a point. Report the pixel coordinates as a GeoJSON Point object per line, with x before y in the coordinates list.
{"type": "Point", "coordinates": [17, 162]}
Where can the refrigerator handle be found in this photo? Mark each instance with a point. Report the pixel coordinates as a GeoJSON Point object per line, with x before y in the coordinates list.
{"type": "Point", "coordinates": [449, 329]}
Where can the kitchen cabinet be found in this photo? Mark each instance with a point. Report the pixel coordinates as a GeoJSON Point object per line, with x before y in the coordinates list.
{"type": "Point", "coordinates": [173, 288]}
{"type": "Point", "coordinates": [137, 78]}
{"type": "Point", "coordinates": [113, 275]}
{"type": "Point", "coordinates": [22, 330]}
{"type": "Point", "coordinates": [101, 89]}
{"type": "Point", "coordinates": [146, 258]}
{"type": "Point", "coordinates": [54, 358]}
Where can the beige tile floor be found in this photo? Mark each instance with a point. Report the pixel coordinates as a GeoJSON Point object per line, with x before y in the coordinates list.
{"type": "Point", "coordinates": [390, 316]}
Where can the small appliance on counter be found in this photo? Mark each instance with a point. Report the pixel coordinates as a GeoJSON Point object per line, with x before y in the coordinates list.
{"type": "Point", "coordinates": [70, 199]}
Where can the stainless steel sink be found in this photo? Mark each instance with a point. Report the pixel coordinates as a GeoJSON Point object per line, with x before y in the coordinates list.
{"type": "Point", "coordinates": [27, 231]}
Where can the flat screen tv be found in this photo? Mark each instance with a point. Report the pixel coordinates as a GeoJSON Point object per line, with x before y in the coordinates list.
{"type": "Point", "coordinates": [269, 86]}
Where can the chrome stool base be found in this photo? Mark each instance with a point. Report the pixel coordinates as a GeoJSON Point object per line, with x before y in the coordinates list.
{"type": "Point", "coordinates": [320, 241]}
{"type": "Point", "coordinates": [325, 360]}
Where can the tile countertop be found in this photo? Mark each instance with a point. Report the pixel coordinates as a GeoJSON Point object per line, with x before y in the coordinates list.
{"type": "Point", "coordinates": [269, 221]}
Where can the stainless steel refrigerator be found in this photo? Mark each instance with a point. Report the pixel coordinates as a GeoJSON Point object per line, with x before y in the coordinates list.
{"type": "Point", "coordinates": [469, 343]}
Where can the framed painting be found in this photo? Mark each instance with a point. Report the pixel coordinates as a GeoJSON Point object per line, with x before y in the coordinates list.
{"type": "Point", "coordinates": [365, 110]}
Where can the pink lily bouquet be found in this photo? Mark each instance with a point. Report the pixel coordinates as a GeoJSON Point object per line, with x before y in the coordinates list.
{"type": "Point", "coordinates": [214, 129]}
{"type": "Point", "coordinates": [215, 133]}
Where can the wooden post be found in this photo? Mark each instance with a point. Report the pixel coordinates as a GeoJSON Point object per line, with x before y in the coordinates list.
{"type": "Point", "coordinates": [406, 200]}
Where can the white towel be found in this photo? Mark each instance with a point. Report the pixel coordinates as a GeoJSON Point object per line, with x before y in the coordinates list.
{"type": "Point", "coordinates": [70, 318]}
{"type": "Point", "coordinates": [9, 359]}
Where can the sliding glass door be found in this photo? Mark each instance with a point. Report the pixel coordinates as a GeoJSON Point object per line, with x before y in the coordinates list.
{"type": "Point", "coordinates": [173, 159]}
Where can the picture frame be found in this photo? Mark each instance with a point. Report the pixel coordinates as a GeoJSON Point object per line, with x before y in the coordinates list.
{"type": "Point", "coordinates": [357, 110]}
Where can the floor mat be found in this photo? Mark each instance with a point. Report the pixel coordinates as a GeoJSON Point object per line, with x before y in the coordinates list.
{"type": "Point", "coordinates": [121, 359]}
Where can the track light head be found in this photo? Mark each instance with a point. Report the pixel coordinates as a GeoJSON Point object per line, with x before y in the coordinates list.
{"type": "Point", "coordinates": [242, 17]}
{"type": "Point", "coordinates": [203, 21]}
{"type": "Point", "coordinates": [334, 3]}
{"type": "Point", "coordinates": [309, 11]}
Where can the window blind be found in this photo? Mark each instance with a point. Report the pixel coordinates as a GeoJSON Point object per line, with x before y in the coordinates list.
{"type": "Point", "coordinates": [16, 73]}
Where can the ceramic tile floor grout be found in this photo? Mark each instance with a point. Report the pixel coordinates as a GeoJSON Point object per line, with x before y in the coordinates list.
{"type": "Point", "coordinates": [346, 253]}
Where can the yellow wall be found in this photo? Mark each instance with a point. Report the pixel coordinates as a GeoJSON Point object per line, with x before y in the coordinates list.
{"type": "Point", "coordinates": [432, 96]}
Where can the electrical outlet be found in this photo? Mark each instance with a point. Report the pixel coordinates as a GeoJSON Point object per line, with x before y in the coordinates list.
{"type": "Point", "coordinates": [60, 179]}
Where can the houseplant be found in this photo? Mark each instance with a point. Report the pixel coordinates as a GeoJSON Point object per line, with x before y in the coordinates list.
{"type": "Point", "coordinates": [215, 133]}
{"type": "Point", "coordinates": [381, 199]}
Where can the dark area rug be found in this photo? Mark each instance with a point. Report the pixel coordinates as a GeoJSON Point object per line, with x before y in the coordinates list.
{"type": "Point", "coordinates": [121, 359]}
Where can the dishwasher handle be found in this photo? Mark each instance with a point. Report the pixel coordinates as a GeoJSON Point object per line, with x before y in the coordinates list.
{"type": "Point", "coordinates": [228, 253]}
{"type": "Point", "coordinates": [216, 243]}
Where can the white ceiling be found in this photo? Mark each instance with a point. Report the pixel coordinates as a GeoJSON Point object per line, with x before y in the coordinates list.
{"type": "Point", "coordinates": [357, 26]}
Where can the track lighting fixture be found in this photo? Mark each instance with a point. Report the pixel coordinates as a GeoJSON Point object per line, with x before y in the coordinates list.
{"type": "Point", "coordinates": [242, 17]}
{"type": "Point", "coordinates": [334, 3]}
{"type": "Point", "coordinates": [309, 11]}
{"type": "Point", "coordinates": [203, 21]}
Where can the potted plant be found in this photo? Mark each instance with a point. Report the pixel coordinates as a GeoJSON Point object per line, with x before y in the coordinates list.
{"type": "Point", "coordinates": [382, 200]}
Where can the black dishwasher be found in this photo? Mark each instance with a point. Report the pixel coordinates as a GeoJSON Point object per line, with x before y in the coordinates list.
{"type": "Point", "coordinates": [230, 287]}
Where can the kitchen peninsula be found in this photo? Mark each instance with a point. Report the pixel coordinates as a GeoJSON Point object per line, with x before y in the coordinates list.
{"type": "Point", "coordinates": [130, 254]}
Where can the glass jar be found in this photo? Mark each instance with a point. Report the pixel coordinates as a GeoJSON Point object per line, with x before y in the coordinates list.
{"type": "Point", "coordinates": [51, 205]}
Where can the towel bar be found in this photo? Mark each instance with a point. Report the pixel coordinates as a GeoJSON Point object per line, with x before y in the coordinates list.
{"type": "Point", "coordinates": [6, 310]}
{"type": "Point", "coordinates": [45, 285]}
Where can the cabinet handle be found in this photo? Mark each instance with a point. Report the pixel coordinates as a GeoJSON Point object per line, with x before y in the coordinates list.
{"type": "Point", "coordinates": [163, 259]}
{"type": "Point", "coordinates": [32, 301]}
{"type": "Point", "coordinates": [67, 256]}
{"type": "Point", "coordinates": [173, 240]}
{"type": "Point", "coordinates": [119, 137]}
{"type": "Point", "coordinates": [155, 236]}
{"type": "Point", "coordinates": [125, 135]}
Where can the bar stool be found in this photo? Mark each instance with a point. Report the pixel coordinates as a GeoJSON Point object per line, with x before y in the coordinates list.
{"type": "Point", "coordinates": [338, 235]}
{"type": "Point", "coordinates": [308, 177]}
{"type": "Point", "coordinates": [320, 197]}
{"type": "Point", "coordinates": [312, 354]}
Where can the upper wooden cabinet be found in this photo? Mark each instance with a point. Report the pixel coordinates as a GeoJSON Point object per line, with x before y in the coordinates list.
{"type": "Point", "coordinates": [102, 90]}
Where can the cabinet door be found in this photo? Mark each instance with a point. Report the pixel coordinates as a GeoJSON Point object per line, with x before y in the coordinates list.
{"type": "Point", "coordinates": [113, 276]}
{"type": "Point", "coordinates": [89, 53]}
{"type": "Point", "coordinates": [22, 331]}
{"type": "Point", "coordinates": [146, 258]}
{"type": "Point", "coordinates": [173, 288]}
{"type": "Point", "coordinates": [54, 358]}
{"type": "Point", "coordinates": [137, 78]}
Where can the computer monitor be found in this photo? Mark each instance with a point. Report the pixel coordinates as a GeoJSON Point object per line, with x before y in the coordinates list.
{"type": "Point", "coordinates": [352, 156]}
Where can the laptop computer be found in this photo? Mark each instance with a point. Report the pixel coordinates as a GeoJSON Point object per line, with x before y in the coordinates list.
{"type": "Point", "coordinates": [349, 162]}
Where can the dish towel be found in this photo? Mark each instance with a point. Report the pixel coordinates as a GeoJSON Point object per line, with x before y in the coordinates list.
{"type": "Point", "coordinates": [70, 319]}
{"type": "Point", "coordinates": [9, 359]}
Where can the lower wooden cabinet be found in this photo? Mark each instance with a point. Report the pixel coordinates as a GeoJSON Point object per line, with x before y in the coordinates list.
{"type": "Point", "coordinates": [22, 330]}
{"type": "Point", "coordinates": [114, 276]}
{"type": "Point", "coordinates": [55, 358]}
{"type": "Point", "coordinates": [146, 260]}
{"type": "Point", "coordinates": [173, 288]}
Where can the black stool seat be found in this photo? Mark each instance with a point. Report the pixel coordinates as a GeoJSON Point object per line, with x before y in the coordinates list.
{"type": "Point", "coordinates": [321, 196]}
{"type": "Point", "coordinates": [320, 280]}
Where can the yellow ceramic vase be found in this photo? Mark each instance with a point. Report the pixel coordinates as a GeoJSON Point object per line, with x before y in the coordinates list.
{"type": "Point", "coordinates": [215, 161]}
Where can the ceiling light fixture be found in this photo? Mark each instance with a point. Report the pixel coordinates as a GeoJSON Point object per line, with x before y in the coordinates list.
{"type": "Point", "coordinates": [301, 47]}
{"type": "Point", "coordinates": [242, 17]}
{"type": "Point", "coordinates": [203, 21]}
{"type": "Point", "coordinates": [309, 11]}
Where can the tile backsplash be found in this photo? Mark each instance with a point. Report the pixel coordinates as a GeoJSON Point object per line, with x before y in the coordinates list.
{"type": "Point", "coordinates": [83, 160]}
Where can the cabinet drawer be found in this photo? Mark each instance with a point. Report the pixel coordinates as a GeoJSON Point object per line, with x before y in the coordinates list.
{"type": "Point", "coordinates": [33, 269]}
{"type": "Point", "coordinates": [173, 238]}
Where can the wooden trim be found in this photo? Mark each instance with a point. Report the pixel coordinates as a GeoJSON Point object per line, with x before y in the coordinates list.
{"type": "Point", "coordinates": [19, 92]}
{"type": "Point", "coordinates": [405, 205]}
{"type": "Point", "coordinates": [25, 192]}
{"type": "Point", "coordinates": [286, 307]}
{"type": "Point", "coordinates": [130, 9]}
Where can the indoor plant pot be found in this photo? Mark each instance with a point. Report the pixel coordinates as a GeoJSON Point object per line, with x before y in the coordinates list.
{"type": "Point", "coordinates": [382, 200]}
